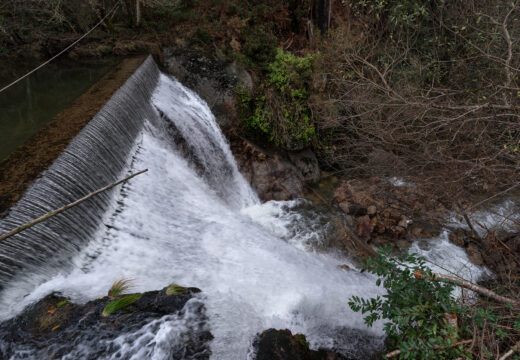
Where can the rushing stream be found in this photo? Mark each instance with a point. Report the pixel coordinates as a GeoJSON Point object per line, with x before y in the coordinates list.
{"type": "Point", "coordinates": [193, 220]}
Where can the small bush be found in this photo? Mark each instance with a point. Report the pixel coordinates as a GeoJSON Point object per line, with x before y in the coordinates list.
{"type": "Point", "coordinates": [425, 321]}
{"type": "Point", "coordinates": [259, 46]}
{"type": "Point", "coordinates": [280, 111]}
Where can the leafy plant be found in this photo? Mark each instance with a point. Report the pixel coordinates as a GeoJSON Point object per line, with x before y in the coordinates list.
{"type": "Point", "coordinates": [119, 304]}
{"type": "Point", "coordinates": [281, 111]}
{"type": "Point", "coordinates": [417, 310]}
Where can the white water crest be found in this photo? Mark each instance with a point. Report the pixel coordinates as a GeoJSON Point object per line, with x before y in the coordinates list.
{"type": "Point", "coordinates": [193, 220]}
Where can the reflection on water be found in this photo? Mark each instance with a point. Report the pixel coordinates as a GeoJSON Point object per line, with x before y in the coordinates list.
{"type": "Point", "coordinates": [31, 103]}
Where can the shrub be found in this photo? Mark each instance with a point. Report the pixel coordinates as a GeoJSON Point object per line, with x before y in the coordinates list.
{"type": "Point", "coordinates": [424, 320]}
{"type": "Point", "coordinates": [416, 309]}
{"type": "Point", "coordinates": [280, 111]}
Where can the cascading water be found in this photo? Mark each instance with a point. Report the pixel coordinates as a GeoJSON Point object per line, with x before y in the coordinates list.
{"type": "Point", "coordinates": [191, 219]}
{"type": "Point", "coordinates": [95, 158]}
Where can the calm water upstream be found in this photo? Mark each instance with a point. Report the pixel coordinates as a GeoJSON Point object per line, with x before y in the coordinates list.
{"type": "Point", "coordinates": [29, 105]}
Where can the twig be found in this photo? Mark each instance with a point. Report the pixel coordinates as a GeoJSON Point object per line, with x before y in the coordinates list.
{"type": "Point", "coordinates": [511, 351]}
{"type": "Point", "coordinates": [398, 352]}
{"type": "Point", "coordinates": [470, 225]}
{"type": "Point", "coordinates": [66, 207]}
{"type": "Point", "coordinates": [421, 275]}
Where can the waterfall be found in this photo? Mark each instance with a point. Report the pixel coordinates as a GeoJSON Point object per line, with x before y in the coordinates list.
{"type": "Point", "coordinates": [192, 220]}
{"type": "Point", "coordinates": [95, 158]}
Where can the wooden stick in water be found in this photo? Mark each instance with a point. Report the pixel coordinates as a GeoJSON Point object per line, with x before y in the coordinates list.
{"type": "Point", "coordinates": [66, 207]}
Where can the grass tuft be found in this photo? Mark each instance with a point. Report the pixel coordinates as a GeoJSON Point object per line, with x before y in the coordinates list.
{"type": "Point", "coordinates": [119, 288]}
{"type": "Point", "coordinates": [120, 304]}
{"type": "Point", "coordinates": [175, 289]}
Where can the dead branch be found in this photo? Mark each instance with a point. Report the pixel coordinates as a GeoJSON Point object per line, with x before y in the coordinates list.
{"type": "Point", "coordinates": [453, 280]}
{"type": "Point", "coordinates": [66, 207]}
{"type": "Point", "coordinates": [511, 351]}
{"type": "Point", "coordinates": [398, 352]}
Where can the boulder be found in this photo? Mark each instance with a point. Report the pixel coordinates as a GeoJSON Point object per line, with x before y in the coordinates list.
{"type": "Point", "coordinates": [274, 179]}
{"type": "Point", "coordinates": [306, 163]}
{"type": "Point", "coordinates": [55, 327]}
{"type": "Point", "coordinates": [270, 175]}
{"type": "Point", "coordinates": [283, 345]}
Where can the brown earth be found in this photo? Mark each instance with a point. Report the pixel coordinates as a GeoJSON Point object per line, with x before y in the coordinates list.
{"type": "Point", "coordinates": [25, 164]}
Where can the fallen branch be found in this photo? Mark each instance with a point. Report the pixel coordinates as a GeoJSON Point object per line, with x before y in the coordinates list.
{"type": "Point", "coordinates": [511, 351]}
{"type": "Point", "coordinates": [66, 207]}
{"type": "Point", "coordinates": [398, 352]}
{"type": "Point", "coordinates": [421, 275]}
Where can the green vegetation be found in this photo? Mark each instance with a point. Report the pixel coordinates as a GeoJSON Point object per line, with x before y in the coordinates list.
{"type": "Point", "coordinates": [280, 110]}
{"type": "Point", "coordinates": [302, 340]}
{"type": "Point", "coordinates": [120, 304]}
{"type": "Point", "coordinates": [62, 303]}
{"type": "Point", "coordinates": [418, 312]}
{"type": "Point", "coordinates": [174, 289]}
{"type": "Point", "coordinates": [119, 288]}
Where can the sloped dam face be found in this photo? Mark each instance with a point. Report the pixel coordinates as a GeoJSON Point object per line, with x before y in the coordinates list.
{"type": "Point", "coordinates": [191, 220]}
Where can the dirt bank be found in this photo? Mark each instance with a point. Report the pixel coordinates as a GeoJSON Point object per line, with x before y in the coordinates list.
{"type": "Point", "coordinates": [25, 164]}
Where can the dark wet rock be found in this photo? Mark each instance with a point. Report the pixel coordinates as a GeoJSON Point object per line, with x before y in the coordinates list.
{"type": "Point", "coordinates": [213, 80]}
{"type": "Point", "coordinates": [54, 327]}
{"type": "Point", "coordinates": [307, 164]}
{"type": "Point", "coordinates": [283, 345]}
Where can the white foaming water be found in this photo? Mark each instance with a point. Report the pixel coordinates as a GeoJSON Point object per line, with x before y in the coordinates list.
{"type": "Point", "coordinates": [195, 221]}
{"type": "Point", "coordinates": [444, 257]}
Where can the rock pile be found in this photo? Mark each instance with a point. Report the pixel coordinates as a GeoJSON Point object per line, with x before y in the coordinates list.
{"type": "Point", "coordinates": [383, 213]}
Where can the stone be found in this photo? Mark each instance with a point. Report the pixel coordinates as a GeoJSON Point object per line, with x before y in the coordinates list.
{"type": "Point", "coordinates": [372, 210]}
{"type": "Point", "coordinates": [270, 175]}
{"type": "Point", "coordinates": [402, 244]}
{"type": "Point", "coordinates": [275, 180]}
{"type": "Point", "coordinates": [283, 345]}
{"type": "Point", "coordinates": [54, 326]}
{"type": "Point", "coordinates": [364, 228]}
{"type": "Point", "coordinates": [356, 209]}
{"type": "Point", "coordinates": [474, 254]}
{"type": "Point", "coordinates": [306, 163]}
{"type": "Point", "coordinates": [458, 237]}
{"type": "Point", "coordinates": [403, 222]}
{"type": "Point", "coordinates": [344, 205]}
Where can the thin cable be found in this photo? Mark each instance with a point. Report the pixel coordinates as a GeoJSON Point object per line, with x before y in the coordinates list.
{"type": "Point", "coordinates": [64, 50]}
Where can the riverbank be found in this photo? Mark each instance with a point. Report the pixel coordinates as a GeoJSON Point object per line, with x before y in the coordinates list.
{"type": "Point", "coordinates": [25, 164]}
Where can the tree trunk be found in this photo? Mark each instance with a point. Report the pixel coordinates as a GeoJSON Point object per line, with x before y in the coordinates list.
{"type": "Point", "coordinates": [138, 12]}
{"type": "Point", "coordinates": [321, 10]}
